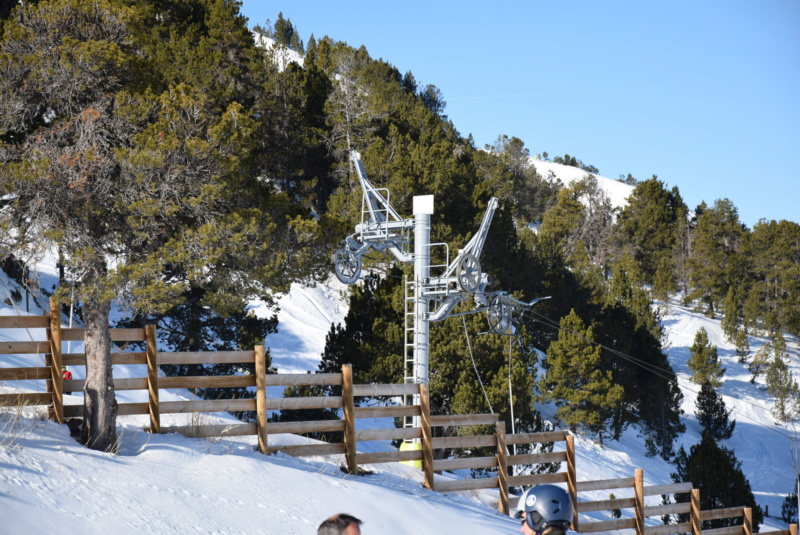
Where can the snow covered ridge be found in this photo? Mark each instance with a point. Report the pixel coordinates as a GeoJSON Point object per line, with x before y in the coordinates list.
{"type": "Point", "coordinates": [618, 192]}
{"type": "Point", "coordinates": [283, 55]}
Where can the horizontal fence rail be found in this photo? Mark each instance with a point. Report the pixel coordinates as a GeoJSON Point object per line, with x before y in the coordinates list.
{"type": "Point", "coordinates": [498, 449]}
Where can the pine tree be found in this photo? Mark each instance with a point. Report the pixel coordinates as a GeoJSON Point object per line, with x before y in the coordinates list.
{"type": "Point", "coordinates": [760, 361]}
{"type": "Point", "coordinates": [574, 381]}
{"type": "Point", "coordinates": [742, 342]}
{"type": "Point", "coordinates": [716, 263]}
{"type": "Point", "coordinates": [704, 360]}
{"type": "Point", "coordinates": [647, 226]}
{"type": "Point", "coordinates": [712, 413]}
{"type": "Point", "coordinates": [782, 386]}
{"type": "Point", "coordinates": [732, 307]}
{"type": "Point", "coordinates": [789, 505]}
{"type": "Point", "coordinates": [122, 146]}
{"type": "Point", "coordinates": [716, 472]}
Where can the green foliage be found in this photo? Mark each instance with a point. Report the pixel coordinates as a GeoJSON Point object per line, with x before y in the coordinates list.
{"type": "Point", "coordinates": [772, 253]}
{"type": "Point", "coordinates": [583, 393]}
{"type": "Point", "coordinates": [782, 386]}
{"type": "Point", "coordinates": [716, 472]}
{"type": "Point", "coordinates": [789, 506]}
{"type": "Point", "coordinates": [716, 263]}
{"type": "Point", "coordinates": [647, 227]}
{"type": "Point", "coordinates": [704, 360]}
{"type": "Point", "coordinates": [712, 413]}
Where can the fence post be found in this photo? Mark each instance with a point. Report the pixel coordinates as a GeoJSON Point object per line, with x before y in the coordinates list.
{"type": "Point", "coordinates": [638, 489]}
{"type": "Point", "coordinates": [151, 355]}
{"type": "Point", "coordinates": [572, 480]}
{"type": "Point", "coordinates": [427, 435]}
{"type": "Point", "coordinates": [348, 406]}
{"type": "Point", "coordinates": [748, 521]}
{"type": "Point", "coordinates": [502, 465]}
{"type": "Point", "coordinates": [261, 398]}
{"type": "Point", "coordinates": [694, 513]}
{"type": "Point", "coordinates": [54, 336]}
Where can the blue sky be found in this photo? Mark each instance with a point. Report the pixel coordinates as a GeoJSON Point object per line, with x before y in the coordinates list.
{"type": "Point", "coordinates": [704, 94]}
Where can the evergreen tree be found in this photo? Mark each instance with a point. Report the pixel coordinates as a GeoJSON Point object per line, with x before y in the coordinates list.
{"type": "Point", "coordinates": [704, 361]}
{"type": "Point", "coordinates": [789, 506]}
{"type": "Point", "coordinates": [716, 263]}
{"type": "Point", "coordinates": [583, 393]}
{"type": "Point", "coordinates": [647, 226]}
{"type": "Point", "coordinates": [773, 263]}
{"type": "Point", "coordinates": [110, 153]}
{"type": "Point", "coordinates": [716, 472]}
{"type": "Point", "coordinates": [760, 361]}
{"type": "Point", "coordinates": [712, 413]}
{"type": "Point", "coordinates": [731, 319]}
{"type": "Point", "coordinates": [782, 386]}
{"type": "Point", "coordinates": [742, 343]}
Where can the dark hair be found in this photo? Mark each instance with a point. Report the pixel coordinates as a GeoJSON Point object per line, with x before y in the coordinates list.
{"type": "Point", "coordinates": [336, 524]}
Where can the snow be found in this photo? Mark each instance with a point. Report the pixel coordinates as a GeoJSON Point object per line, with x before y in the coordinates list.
{"type": "Point", "coordinates": [618, 192]}
{"type": "Point", "coordinates": [169, 484]}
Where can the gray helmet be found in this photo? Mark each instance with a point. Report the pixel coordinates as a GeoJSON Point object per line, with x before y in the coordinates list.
{"type": "Point", "coordinates": [545, 506]}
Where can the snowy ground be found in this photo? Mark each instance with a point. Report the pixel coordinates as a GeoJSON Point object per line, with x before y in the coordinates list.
{"type": "Point", "coordinates": [168, 484]}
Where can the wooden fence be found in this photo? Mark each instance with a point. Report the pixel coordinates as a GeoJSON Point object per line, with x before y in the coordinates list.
{"type": "Point", "coordinates": [498, 440]}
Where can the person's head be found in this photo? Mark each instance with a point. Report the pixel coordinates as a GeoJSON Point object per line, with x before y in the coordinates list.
{"type": "Point", "coordinates": [341, 524]}
{"type": "Point", "coordinates": [544, 510]}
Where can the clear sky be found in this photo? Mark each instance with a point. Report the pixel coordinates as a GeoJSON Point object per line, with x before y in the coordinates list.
{"type": "Point", "coordinates": [704, 94]}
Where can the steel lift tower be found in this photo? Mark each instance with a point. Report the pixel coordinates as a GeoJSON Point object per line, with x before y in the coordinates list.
{"type": "Point", "coordinates": [436, 289]}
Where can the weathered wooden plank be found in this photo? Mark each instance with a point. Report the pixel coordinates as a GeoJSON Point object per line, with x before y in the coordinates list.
{"type": "Point", "coordinates": [399, 433]}
{"type": "Point", "coordinates": [117, 335]}
{"type": "Point", "coordinates": [386, 412]}
{"type": "Point", "coordinates": [211, 381]}
{"type": "Point", "coordinates": [24, 348]}
{"type": "Point", "coordinates": [389, 457]}
{"type": "Point", "coordinates": [466, 484]}
{"type": "Point", "coordinates": [606, 505]}
{"type": "Point", "coordinates": [537, 438]}
{"type": "Point", "coordinates": [205, 405]}
{"type": "Point", "coordinates": [307, 450]}
{"type": "Point", "coordinates": [667, 529]}
{"type": "Point", "coordinates": [607, 525]}
{"type": "Point", "coordinates": [24, 322]}
{"type": "Point", "coordinates": [716, 514]}
{"type": "Point", "coordinates": [295, 379]}
{"type": "Point", "coordinates": [731, 530]}
{"type": "Point", "coordinates": [135, 383]}
{"type": "Point", "coordinates": [308, 426]}
{"type": "Point", "coordinates": [22, 399]}
{"type": "Point", "coordinates": [24, 374]}
{"type": "Point", "coordinates": [465, 463]}
{"type": "Point", "coordinates": [538, 458]}
{"type": "Point", "coordinates": [667, 509]}
{"type": "Point", "coordinates": [129, 409]}
{"type": "Point", "coordinates": [206, 357]}
{"type": "Point", "coordinates": [537, 479]}
{"type": "Point", "coordinates": [386, 390]}
{"type": "Point", "coordinates": [285, 404]}
{"type": "Point", "coordinates": [217, 430]}
{"type": "Point", "coordinates": [451, 420]}
{"type": "Point", "coordinates": [674, 488]}
{"type": "Point", "coordinates": [605, 484]}
{"type": "Point", "coordinates": [464, 442]}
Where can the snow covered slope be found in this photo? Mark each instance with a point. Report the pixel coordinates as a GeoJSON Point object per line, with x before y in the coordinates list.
{"type": "Point", "coordinates": [169, 484]}
{"type": "Point", "coordinates": [618, 192]}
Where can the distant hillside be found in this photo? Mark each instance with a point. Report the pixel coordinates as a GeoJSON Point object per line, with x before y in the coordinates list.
{"type": "Point", "coordinates": [618, 192]}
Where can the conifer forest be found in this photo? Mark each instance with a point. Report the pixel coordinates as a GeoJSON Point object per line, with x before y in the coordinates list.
{"type": "Point", "coordinates": [181, 167]}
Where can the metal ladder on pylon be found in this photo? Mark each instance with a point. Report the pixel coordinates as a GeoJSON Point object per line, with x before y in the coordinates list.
{"type": "Point", "coordinates": [408, 346]}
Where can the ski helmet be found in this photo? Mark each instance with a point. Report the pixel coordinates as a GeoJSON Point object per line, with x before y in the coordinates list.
{"type": "Point", "coordinates": [545, 506]}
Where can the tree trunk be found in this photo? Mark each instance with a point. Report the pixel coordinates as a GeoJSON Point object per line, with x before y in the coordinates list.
{"type": "Point", "coordinates": [99, 430]}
